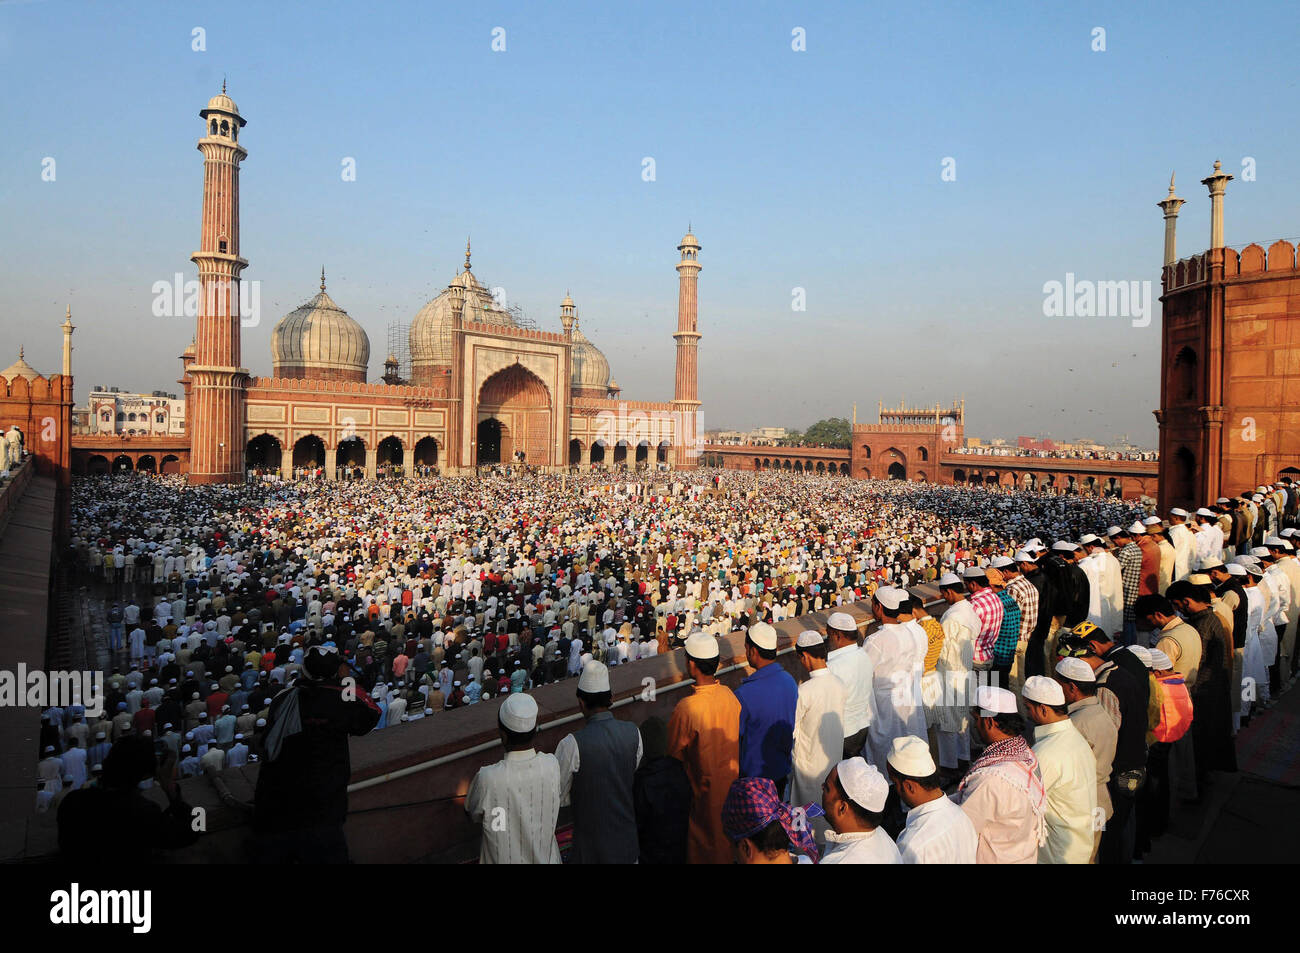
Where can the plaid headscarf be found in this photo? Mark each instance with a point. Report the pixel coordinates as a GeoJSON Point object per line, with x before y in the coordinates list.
{"type": "Point", "coordinates": [752, 804]}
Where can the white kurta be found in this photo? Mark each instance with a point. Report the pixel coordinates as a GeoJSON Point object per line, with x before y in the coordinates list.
{"type": "Point", "coordinates": [956, 660]}
{"type": "Point", "coordinates": [818, 734]}
{"type": "Point", "coordinates": [938, 832]}
{"type": "Point", "coordinates": [875, 847]}
{"type": "Point", "coordinates": [1112, 593]}
{"type": "Point", "coordinates": [517, 800]}
{"type": "Point", "coordinates": [1068, 770]}
{"type": "Point", "coordinates": [892, 650]}
{"type": "Point", "coordinates": [1253, 665]}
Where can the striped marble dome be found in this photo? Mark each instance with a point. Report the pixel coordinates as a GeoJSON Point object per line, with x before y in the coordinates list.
{"type": "Point", "coordinates": [431, 330]}
{"type": "Point", "coordinates": [590, 367]}
{"type": "Point", "coordinates": [318, 340]}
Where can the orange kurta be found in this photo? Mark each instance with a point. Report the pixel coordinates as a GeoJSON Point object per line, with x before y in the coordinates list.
{"type": "Point", "coordinates": [704, 734]}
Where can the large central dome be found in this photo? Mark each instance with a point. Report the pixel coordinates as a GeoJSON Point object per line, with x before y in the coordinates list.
{"type": "Point", "coordinates": [431, 331]}
{"type": "Point", "coordinates": [318, 340]}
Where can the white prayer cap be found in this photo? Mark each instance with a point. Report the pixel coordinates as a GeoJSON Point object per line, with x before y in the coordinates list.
{"type": "Point", "coordinates": [1200, 579]}
{"type": "Point", "coordinates": [1137, 528]}
{"type": "Point", "coordinates": [1257, 498]}
{"type": "Point", "coordinates": [808, 638]}
{"type": "Point", "coordinates": [1253, 569]}
{"type": "Point", "coordinates": [1023, 556]}
{"type": "Point", "coordinates": [973, 572]}
{"type": "Point", "coordinates": [1203, 511]}
{"type": "Point", "coordinates": [889, 597]}
{"type": "Point", "coordinates": [1033, 542]}
{"type": "Point", "coordinates": [1114, 531]}
{"type": "Point", "coordinates": [1222, 499]}
{"type": "Point", "coordinates": [1087, 539]}
{"type": "Point", "coordinates": [1179, 511]}
{"type": "Point", "coordinates": [1152, 521]}
{"type": "Point", "coordinates": [594, 677]}
{"type": "Point", "coordinates": [994, 701]}
{"type": "Point", "coordinates": [842, 622]}
{"type": "Point", "coordinates": [1142, 652]}
{"type": "Point", "coordinates": [261, 723]}
{"type": "Point", "coordinates": [1289, 531]}
{"type": "Point", "coordinates": [949, 579]}
{"type": "Point", "coordinates": [1274, 541]}
{"type": "Point", "coordinates": [1000, 562]}
{"type": "Point", "coordinates": [863, 783]}
{"type": "Point", "coordinates": [701, 647]}
{"type": "Point", "coordinates": [1076, 670]}
{"type": "Point", "coordinates": [1212, 563]}
{"type": "Point", "coordinates": [1236, 569]}
{"type": "Point", "coordinates": [1063, 546]}
{"type": "Point", "coordinates": [518, 713]}
{"type": "Point", "coordinates": [1044, 690]}
{"type": "Point", "coordinates": [910, 756]}
{"type": "Point", "coordinates": [763, 635]}
{"type": "Point", "coordinates": [1160, 662]}
{"type": "Point", "coordinates": [1260, 551]}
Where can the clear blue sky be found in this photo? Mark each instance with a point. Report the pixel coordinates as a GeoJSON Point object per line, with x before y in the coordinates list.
{"type": "Point", "coordinates": [817, 169]}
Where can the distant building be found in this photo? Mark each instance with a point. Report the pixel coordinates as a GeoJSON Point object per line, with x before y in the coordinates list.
{"type": "Point", "coordinates": [113, 411]}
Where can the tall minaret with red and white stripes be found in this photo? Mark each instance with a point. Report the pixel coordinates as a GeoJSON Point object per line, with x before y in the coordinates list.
{"type": "Point", "coordinates": [216, 409]}
{"type": "Point", "coordinates": [686, 392]}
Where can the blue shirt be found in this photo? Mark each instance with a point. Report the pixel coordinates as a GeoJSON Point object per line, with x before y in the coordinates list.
{"type": "Point", "coordinates": [767, 702]}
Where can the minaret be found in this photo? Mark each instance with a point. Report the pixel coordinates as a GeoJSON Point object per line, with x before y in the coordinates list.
{"type": "Point", "coordinates": [68, 328]}
{"type": "Point", "coordinates": [1216, 183]}
{"type": "Point", "coordinates": [686, 403]}
{"type": "Point", "coordinates": [215, 408]}
{"type": "Point", "coordinates": [1171, 204]}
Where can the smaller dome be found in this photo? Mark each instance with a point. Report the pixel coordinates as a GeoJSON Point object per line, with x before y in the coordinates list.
{"type": "Point", "coordinates": [567, 302]}
{"type": "Point", "coordinates": [590, 366]}
{"type": "Point", "coordinates": [224, 103]}
{"type": "Point", "coordinates": [19, 368]}
{"type": "Point", "coordinates": [689, 240]}
{"type": "Point", "coordinates": [319, 340]}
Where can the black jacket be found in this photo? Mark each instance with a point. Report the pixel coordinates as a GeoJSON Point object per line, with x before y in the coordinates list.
{"type": "Point", "coordinates": [661, 797]}
{"type": "Point", "coordinates": [306, 786]}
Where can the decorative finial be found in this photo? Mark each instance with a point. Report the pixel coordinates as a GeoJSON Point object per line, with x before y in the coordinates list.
{"type": "Point", "coordinates": [20, 352]}
{"type": "Point", "coordinates": [1171, 183]}
{"type": "Point", "coordinates": [322, 277]}
{"type": "Point", "coordinates": [1218, 166]}
{"type": "Point", "coordinates": [467, 253]}
{"type": "Point", "coordinates": [223, 84]}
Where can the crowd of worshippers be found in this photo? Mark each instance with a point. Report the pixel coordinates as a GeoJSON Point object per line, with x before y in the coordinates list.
{"type": "Point", "coordinates": [501, 585]}
{"type": "Point", "coordinates": [1064, 698]}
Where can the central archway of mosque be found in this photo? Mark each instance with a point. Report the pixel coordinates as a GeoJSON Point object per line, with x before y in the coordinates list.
{"type": "Point", "coordinates": [897, 471]}
{"type": "Point", "coordinates": [520, 405]}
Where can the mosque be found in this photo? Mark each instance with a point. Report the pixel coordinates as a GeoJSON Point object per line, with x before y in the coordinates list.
{"type": "Point", "coordinates": [483, 389]}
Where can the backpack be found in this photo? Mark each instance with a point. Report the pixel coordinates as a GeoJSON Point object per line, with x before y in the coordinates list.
{"type": "Point", "coordinates": [1175, 708]}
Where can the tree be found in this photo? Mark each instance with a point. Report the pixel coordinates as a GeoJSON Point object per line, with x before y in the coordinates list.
{"type": "Point", "coordinates": [832, 432]}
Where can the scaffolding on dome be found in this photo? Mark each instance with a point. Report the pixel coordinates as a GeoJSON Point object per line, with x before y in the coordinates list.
{"type": "Point", "coordinates": [399, 345]}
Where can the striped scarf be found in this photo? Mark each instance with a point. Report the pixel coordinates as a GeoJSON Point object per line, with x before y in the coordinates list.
{"type": "Point", "coordinates": [1004, 755]}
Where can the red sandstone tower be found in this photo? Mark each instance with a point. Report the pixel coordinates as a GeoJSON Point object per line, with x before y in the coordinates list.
{"type": "Point", "coordinates": [686, 402]}
{"type": "Point", "coordinates": [1229, 401]}
{"type": "Point", "coordinates": [215, 411]}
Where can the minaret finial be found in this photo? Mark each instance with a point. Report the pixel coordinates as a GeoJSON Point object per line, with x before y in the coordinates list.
{"type": "Point", "coordinates": [1171, 183]}
{"type": "Point", "coordinates": [223, 84]}
{"type": "Point", "coordinates": [20, 352]}
{"type": "Point", "coordinates": [467, 253]}
{"type": "Point", "coordinates": [322, 277]}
